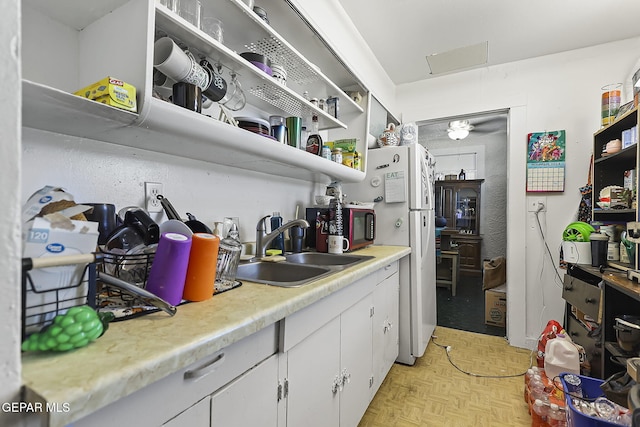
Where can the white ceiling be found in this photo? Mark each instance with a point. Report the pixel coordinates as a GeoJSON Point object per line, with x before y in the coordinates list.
{"type": "Point", "coordinates": [401, 33]}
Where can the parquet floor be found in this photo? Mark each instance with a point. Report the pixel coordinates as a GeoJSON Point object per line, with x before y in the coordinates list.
{"type": "Point", "coordinates": [434, 393]}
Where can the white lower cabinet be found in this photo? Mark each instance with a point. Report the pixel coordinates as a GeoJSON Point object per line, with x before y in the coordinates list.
{"type": "Point", "coordinates": [318, 367]}
{"type": "Point", "coordinates": [385, 325]}
{"type": "Point", "coordinates": [336, 352]}
{"type": "Point", "coordinates": [312, 373]}
{"type": "Point", "coordinates": [355, 361]}
{"type": "Point", "coordinates": [328, 372]}
{"type": "Point", "coordinates": [250, 400]}
{"type": "Point", "coordinates": [187, 393]}
{"type": "Point", "coordinates": [198, 415]}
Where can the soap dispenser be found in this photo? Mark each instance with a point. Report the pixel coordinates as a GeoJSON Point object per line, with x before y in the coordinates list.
{"type": "Point", "coordinates": [276, 222]}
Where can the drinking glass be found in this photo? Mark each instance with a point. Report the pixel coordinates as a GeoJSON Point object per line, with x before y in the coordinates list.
{"type": "Point", "coordinates": [191, 11]}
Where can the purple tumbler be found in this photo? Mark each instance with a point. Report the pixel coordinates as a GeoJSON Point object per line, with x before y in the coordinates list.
{"type": "Point", "coordinates": [169, 268]}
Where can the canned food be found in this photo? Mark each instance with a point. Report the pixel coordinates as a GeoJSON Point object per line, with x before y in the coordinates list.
{"type": "Point", "coordinates": [326, 152]}
{"type": "Point", "coordinates": [336, 155]}
{"type": "Point", "coordinates": [574, 385]}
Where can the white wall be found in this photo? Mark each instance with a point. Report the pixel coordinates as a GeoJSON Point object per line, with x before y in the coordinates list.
{"type": "Point", "coordinates": [96, 172]}
{"type": "Point", "coordinates": [548, 93]}
{"type": "Point", "coordinates": [10, 196]}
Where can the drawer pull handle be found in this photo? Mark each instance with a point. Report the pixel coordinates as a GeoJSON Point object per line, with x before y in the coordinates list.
{"type": "Point", "coordinates": [590, 300]}
{"type": "Point", "coordinates": [205, 369]}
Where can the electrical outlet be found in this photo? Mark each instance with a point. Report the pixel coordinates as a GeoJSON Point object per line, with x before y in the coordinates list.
{"type": "Point", "coordinates": [538, 204]}
{"type": "Point", "coordinates": [151, 192]}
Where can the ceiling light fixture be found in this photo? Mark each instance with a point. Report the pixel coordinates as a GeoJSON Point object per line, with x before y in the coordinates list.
{"type": "Point", "coordinates": [458, 134]}
{"type": "Point", "coordinates": [459, 129]}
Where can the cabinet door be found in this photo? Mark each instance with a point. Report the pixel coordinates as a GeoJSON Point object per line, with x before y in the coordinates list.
{"type": "Point", "coordinates": [385, 329]}
{"type": "Point", "coordinates": [356, 361]}
{"type": "Point", "coordinates": [468, 209]}
{"type": "Point", "coordinates": [250, 400]}
{"type": "Point", "coordinates": [445, 203]}
{"type": "Point", "coordinates": [198, 415]}
{"type": "Point", "coordinates": [313, 366]}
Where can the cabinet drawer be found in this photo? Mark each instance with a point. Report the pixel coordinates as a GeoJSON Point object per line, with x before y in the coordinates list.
{"type": "Point", "coordinates": [164, 399]}
{"type": "Point", "coordinates": [580, 335]}
{"type": "Point", "coordinates": [583, 296]}
{"type": "Point", "coordinates": [387, 271]}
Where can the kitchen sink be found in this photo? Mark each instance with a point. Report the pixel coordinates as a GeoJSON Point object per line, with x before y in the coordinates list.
{"type": "Point", "coordinates": [298, 269]}
{"type": "Point", "coordinates": [321, 258]}
{"type": "Point", "coordinates": [281, 273]}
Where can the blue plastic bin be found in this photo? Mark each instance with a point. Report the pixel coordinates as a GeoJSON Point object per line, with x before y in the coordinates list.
{"type": "Point", "coordinates": [590, 390]}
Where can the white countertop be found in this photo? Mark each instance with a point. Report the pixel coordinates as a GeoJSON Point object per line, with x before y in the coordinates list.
{"type": "Point", "coordinates": [134, 353]}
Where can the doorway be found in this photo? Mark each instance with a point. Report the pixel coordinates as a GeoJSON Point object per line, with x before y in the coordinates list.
{"type": "Point", "coordinates": [482, 155]}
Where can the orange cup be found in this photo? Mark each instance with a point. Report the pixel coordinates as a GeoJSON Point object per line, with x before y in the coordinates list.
{"type": "Point", "coordinates": [201, 272]}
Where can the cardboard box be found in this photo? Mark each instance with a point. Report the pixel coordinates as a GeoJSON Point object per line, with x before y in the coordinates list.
{"type": "Point", "coordinates": [111, 91]}
{"type": "Point", "coordinates": [347, 145]}
{"type": "Point", "coordinates": [627, 138]}
{"type": "Point", "coordinates": [495, 306]}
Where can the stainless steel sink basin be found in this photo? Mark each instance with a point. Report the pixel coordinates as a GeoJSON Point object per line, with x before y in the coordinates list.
{"type": "Point", "coordinates": [298, 269]}
{"type": "Point", "coordinates": [281, 273]}
{"type": "Point", "coordinates": [320, 258]}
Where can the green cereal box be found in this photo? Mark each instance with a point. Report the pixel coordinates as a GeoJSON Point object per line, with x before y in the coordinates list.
{"type": "Point", "coordinates": [347, 145]}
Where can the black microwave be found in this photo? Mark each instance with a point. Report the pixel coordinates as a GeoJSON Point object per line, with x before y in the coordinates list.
{"type": "Point", "coordinates": [358, 226]}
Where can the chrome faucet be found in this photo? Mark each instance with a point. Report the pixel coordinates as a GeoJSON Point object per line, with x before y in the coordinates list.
{"type": "Point", "coordinates": [263, 239]}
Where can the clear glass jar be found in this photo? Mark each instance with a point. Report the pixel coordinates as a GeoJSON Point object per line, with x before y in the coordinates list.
{"type": "Point", "coordinates": [229, 257]}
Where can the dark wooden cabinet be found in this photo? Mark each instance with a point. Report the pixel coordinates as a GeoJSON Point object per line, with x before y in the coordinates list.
{"type": "Point", "coordinates": [602, 303]}
{"type": "Point", "coordinates": [582, 315]}
{"type": "Point", "coordinates": [458, 201]}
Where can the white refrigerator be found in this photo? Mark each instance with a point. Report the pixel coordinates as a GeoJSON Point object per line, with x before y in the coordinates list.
{"type": "Point", "coordinates": [401, 180]}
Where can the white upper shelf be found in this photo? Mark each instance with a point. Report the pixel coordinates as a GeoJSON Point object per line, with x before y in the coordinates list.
{"type": "Point", "coordinates": [245, 31]}
{"type": "Point", "coordinates": [201, 137]}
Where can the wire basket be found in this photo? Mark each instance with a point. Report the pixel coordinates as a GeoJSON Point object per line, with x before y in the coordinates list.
{"type": "Point", "coordinates": [41, 302]}
{"type": "Point", "coordinates": [132, 268]}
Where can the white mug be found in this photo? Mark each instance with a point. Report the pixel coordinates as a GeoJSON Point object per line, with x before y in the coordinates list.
{"type": "Point", "coordinates": [338, 244]}
{"type": "Point", "coordinates": [176, 64]}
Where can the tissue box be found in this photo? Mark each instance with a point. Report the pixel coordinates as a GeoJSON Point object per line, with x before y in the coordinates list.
{"type": "Point", "coordinates": [51, 291]}
{"type": "Point", "coordinates": [111, 91]}
{"type": "Point", "coordinates": [42, 240]}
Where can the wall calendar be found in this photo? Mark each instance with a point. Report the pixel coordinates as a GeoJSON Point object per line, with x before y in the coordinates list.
{"type": "Point", "coordinates": [546, 161]}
